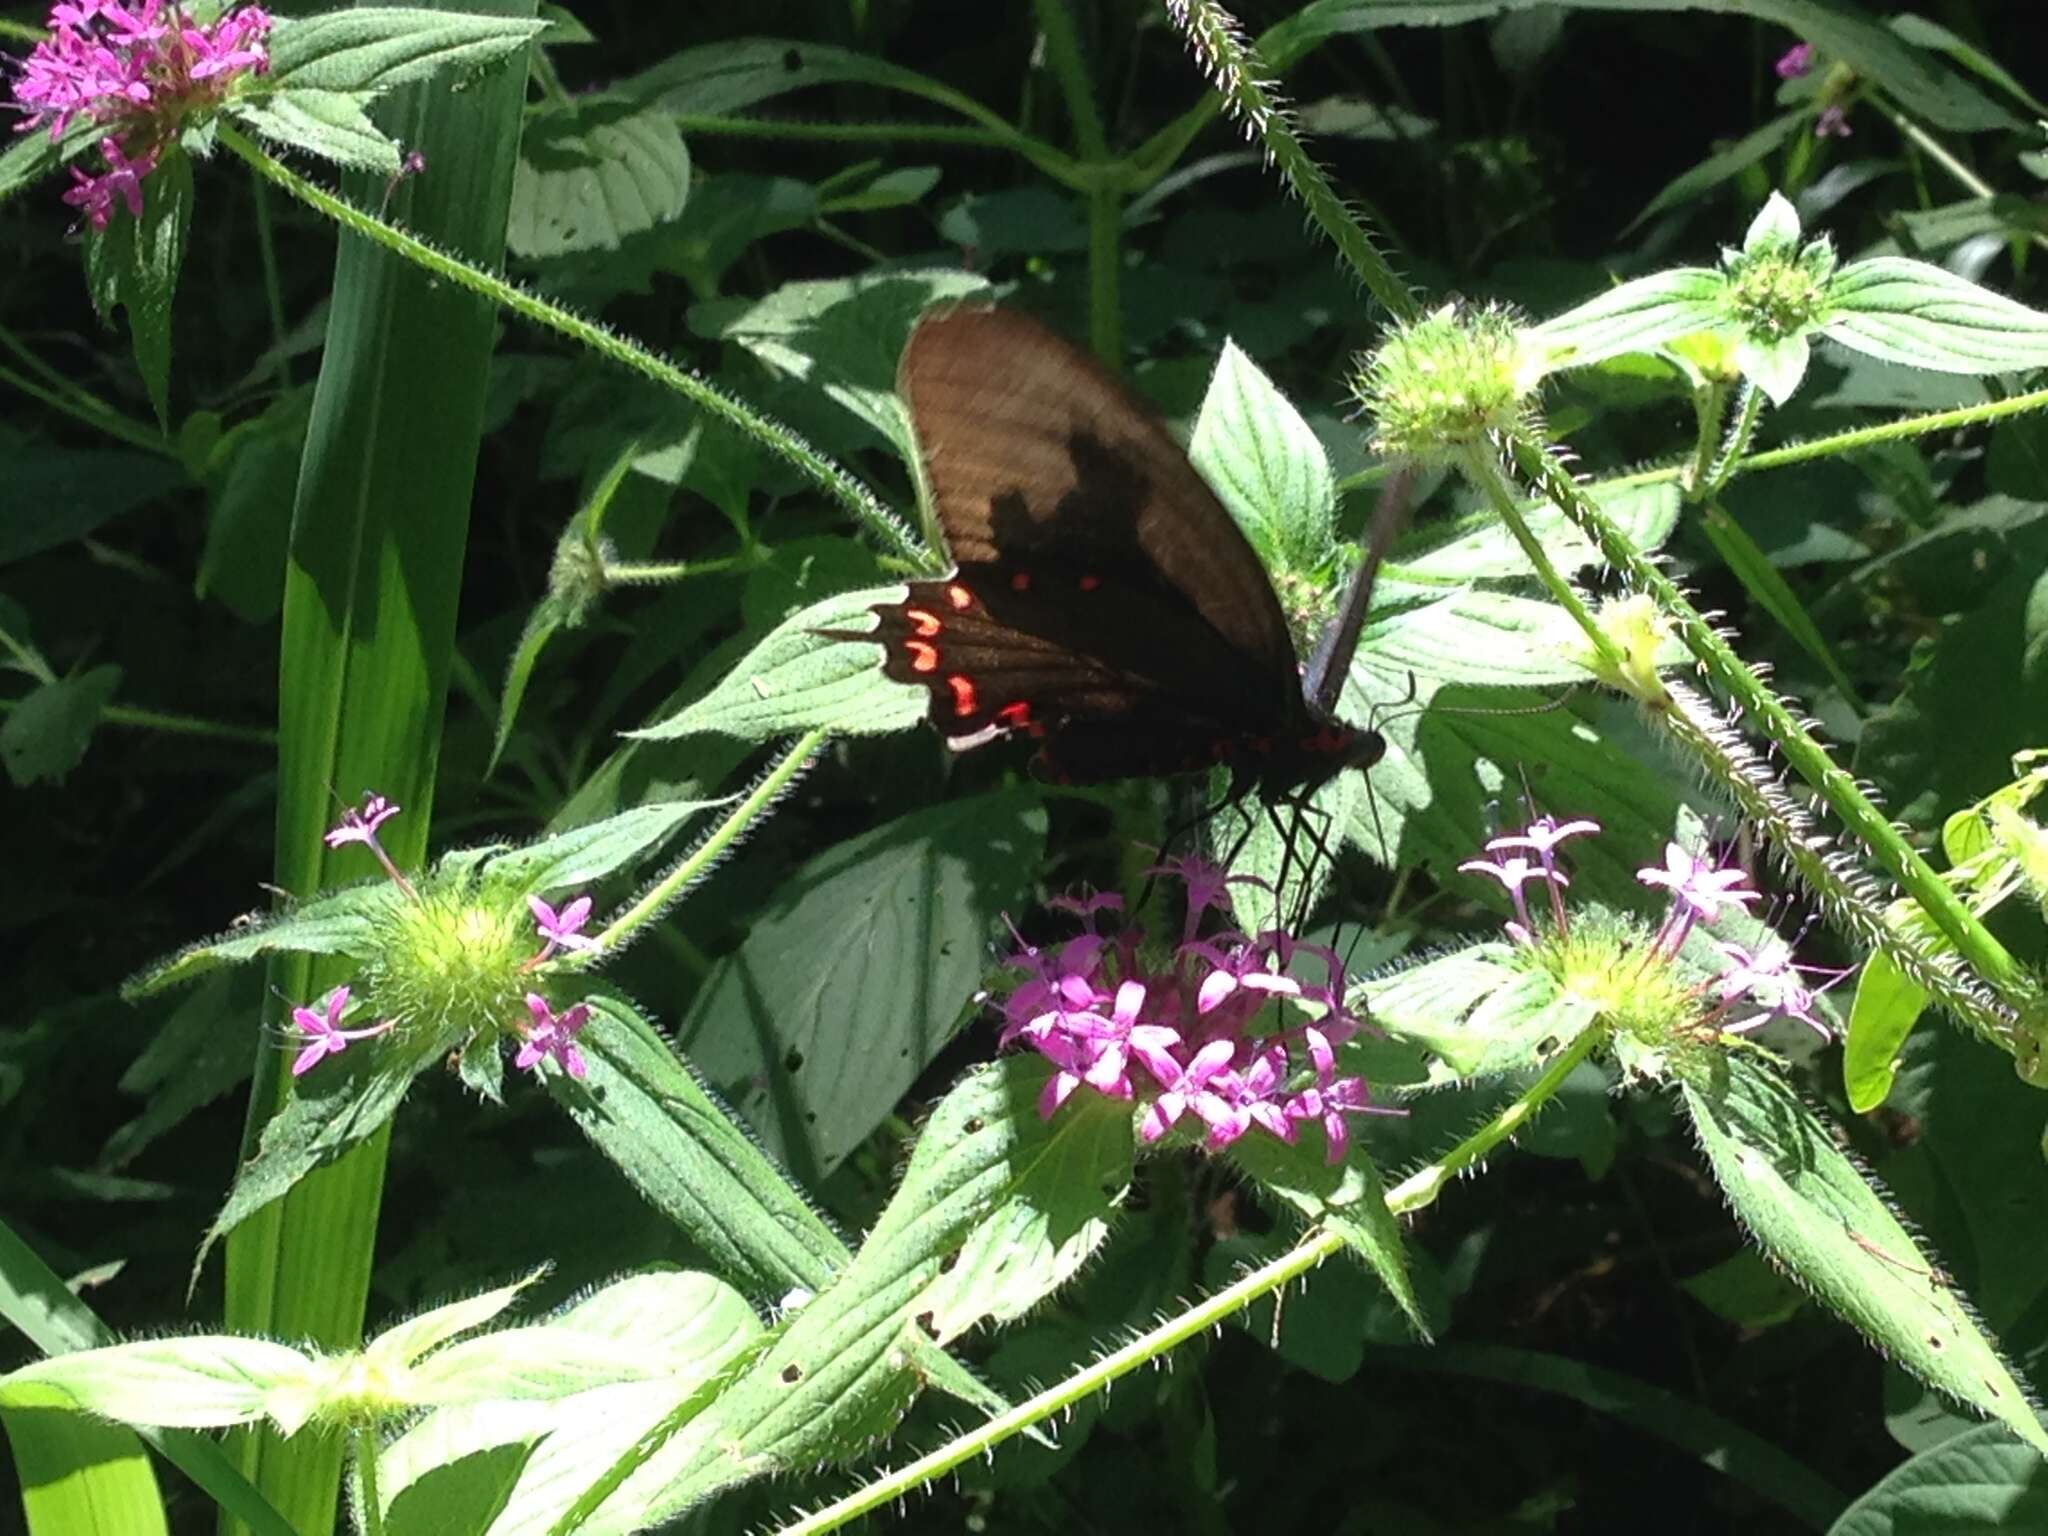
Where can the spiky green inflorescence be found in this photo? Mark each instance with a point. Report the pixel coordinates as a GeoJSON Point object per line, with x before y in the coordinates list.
{"type": "Point", "coordinates": [1644, 999]}
{"type": "Point", "coordinates": [452, 965]}
{"type": "Point", "coordinates": [1780, 288]}
{"type": "Point", "coordinates": [1450, 379]}
{"type": "Point", "coordinates": [577, 578]}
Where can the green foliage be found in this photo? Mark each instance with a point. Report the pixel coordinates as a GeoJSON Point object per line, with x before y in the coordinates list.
{"type": "Point", "coordinates": [1728, 533]}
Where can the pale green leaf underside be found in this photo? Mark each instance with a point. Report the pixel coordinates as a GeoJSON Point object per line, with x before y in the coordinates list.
{"type": "Point", "coordinates": [1926, 317]}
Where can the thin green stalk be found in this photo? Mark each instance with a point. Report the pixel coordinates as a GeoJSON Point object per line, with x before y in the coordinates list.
{"type": "Point", "coordinates": [83, 408]}
{"type": "Point", "coordinates": [1740, 435]}
{"type": "Point", "coordinates": [186, 725]}
{"type": "Point", "coordinates": [849, 492]}
{"type": "Point", "coordinates": [273, 285]}
{"type": "Point", "coordinates": [1990, 959]}
{"type": "Point", "coordinates": [1105, 197]}
{"type": "Point", "coordinates": [1315, 1248]}
{"type": "Point", "coordinates": [1237, 73]}
{"type": "Point", "coordinates": [649, 573]}
{"type": "Point", "coordinates": [1708, 405]}
{"type": "Point", "coordinates": [366, 1466]}
{"type": "Point", "coordinates": [706, 853]}
{"type": "Point", "coordinates": [1105, 277]}
{"type": "Point", "coordinates": [1942, 156]}
{"type": "Point", "coordinates": [694, 126]}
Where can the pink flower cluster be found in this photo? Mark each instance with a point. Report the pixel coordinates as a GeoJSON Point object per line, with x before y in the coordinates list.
{"type": "Point", "coordinates": [137, 70]}
{"type": "Point", "coordinates": [1201, 1034]}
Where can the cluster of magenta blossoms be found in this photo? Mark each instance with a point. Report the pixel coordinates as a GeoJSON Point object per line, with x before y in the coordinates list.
{"type": "Point", "coordinates": [139, 72]}
{"type": "Point", "coordinates": [1216, 1029]}
{"type": "Point", "coordinates": [1751, 988]}
{"type": "Point", "coordinates": [544, 1034]}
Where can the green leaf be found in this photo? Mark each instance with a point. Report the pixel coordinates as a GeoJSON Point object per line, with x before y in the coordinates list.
{"type": "Point", "coordinates": [897, 188]}
{"type": "Point", "coordinates": [328, 123]}
{"type": "Point", "coordinates": [1759, 577]}
{"type": "Point", "coordinates": [1030, 221]}
{"type": "Point", "coordinates": [841, 336]}
{"type": "Point", "coordinates": [1265, 464]}
{"type": "Point", "coordinates": [587, 853]}
{"type": "Point", "coordinates": [373, 48]}
{"type": "Point", "coordinates": [1478, 548]}
{"type": "Point", "coordinates": [46, 734]}
{"type": "Point", "coordinates": [593, 173]}
{"type": "Point", "coordinates": [645, 1108]}
{"type": "Point", "coordinates": [133, 265]}
{"type": "Point", "coordinates": [252, 476]}
{"type": "Point", "coordinates": [1349, 1198]}
{"type": "Point", "coordinates": [1721, 166]}
{"type": "Point", "coordinates": [1926, 317]}
{"type": "Point", "coordinates": [1489, 638]}
{"type": "Point", "coordinates": [1052, 1219]}
{"type": "Point", "coordinates": [838, 1373]}
{"type": "Point", "coordinates": [182, 1383]}
{"type": "Point", "coordinates": [720, 79]}
{"type": "Point", "coordinates": [33, 154]}
{"type": "Point", "coordinates": [80, 1476]}
{"type": "Point", "coordinates": [1819, 1214]}
{"type": "Point", "coordinates": [1979, 1482]}
{"type": "Point", "coordinates": [687, 1330]}
{"type": "Point", "coordinates": [51, 495]}
{"type": "Point", "coordinates": [201, 1051]}
{"type": "Point", "coordinates": [339, 923]}
{"type": "Point", "coordinates": [1478, 1012]}
{"type": "Point", "coordinates": [1637, 316]}
{"type": "Point", "coordinates": [849, 984]}
{"type": "Point", "coordinates": [798, 679]}
{"type": "Point", "coordinates": [1887, 1006]}
{"type": "Point", "coordinates": [347, 1101]}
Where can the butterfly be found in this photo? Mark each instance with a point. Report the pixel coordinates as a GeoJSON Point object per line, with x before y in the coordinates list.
{"type": "Point", "coordinates": [1103, 602]}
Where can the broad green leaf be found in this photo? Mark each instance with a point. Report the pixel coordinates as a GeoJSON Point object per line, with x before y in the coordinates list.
{"type": "Point", "coordinates": [1265, 464]}
{"type": "Point", "coordinates": [646, 1109]}
{"type": "Point", "coordinates": [1053, 1219]}
{"type": "Point", "coordinates": [1637, 316]}
{"type": "Point", "coordinates": [252, 475]}
{"type": "Point", "coordinates": [1922, 33]}
{"type": "Point", "coordinates": [177, 1383]}
{"type": "Point", "coordinates": [1980, 1482]}
{"type": "Point", "coordinates": [133, 265]}
{"type": "Point", "coordinates": [592, 174]}
{"type": "Point", "coordinates": [838, 1372]}
{"type": "Point", "coordinates": [1488, 638]}
{"type": "Point", "coordinates": [685, 1329]}
{"type": "Point", "coordinates": [1034, 220]}
{"type": "Point", "coordinates": [373, 48]}
{"type": "Point", "coordinates": [330, 1111]}
{"type": "Point", "coordinates": [1349, 1198]}
{"type": "Point", "coordinates": [857, 974]}
{"type": "Point", "coordinates": [201, 1051]}
{"type": "Point", "coordinates": [1477, 1011]}
{"type": "Point", "coordinates": [591, 852]}
{"type": "Point", "coordinates": [46, 734]}
{"type": "Point", "coordinates": [339, 923]}
{"type": "Point", "coordinates": [840, 336]}
{"type": "Point", "coordinates": [897, 188]}
{"type": "Point", "coordinates": [1926, 317]}
{"type": "Point", "coordinates": [52, 495]}
{"type": "Point", "coordinates": [799, 679]}
{"type": "Point", "coordinates": [330, 124]}
{"type": "Point", "coordinates": [1819, 1214]}
{"type": "Point", "coordinates": [36, 1301]}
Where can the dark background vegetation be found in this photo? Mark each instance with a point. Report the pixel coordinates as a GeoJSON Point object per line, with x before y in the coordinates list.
{"type": "Point", "coordinates": [1544, 138]}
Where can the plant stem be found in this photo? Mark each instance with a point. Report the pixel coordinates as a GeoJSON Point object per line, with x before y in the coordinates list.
{"type": "Point", "coordinates": [706, 853]}
{"type": "Point", "coordinates": [1990, 959]}
{"type": "Point", "coordinates": [366, 1468]}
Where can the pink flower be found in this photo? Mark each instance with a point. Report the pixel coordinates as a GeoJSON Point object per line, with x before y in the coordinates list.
{"type": "Point", "coordinates": [552, 1036]}
{"type": "Point", "coordinates": [1794, 61]}
{"type": "Point", "coordinates": [94, 195]}
{"type": "Point", "coordinates": [324, 1033]}
{"type": "Point", "coordinates": [1833, 123]}
{"type": "Point", "coordinates": [1209, 1027]}
{"type": "Point", "coordinates": [1771, 981]}
{"type": "Point", "coordinates": [563, 929]}
{"type": "Point", "coordinates": [1699, 890]}
{"type": "Point", "coordinates": [361, 826]}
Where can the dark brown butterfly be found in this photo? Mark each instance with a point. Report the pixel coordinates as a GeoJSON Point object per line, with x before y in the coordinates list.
{"type": "Point", "coordinates": [1103, 601]}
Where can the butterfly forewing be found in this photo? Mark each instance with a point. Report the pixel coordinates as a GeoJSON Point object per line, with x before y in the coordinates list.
{"type": "Point", "coordinates": [1037, 458]}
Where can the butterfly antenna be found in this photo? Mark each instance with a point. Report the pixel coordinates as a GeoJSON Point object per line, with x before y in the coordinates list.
{"type": "Point", "coordinates": [1323, 684]}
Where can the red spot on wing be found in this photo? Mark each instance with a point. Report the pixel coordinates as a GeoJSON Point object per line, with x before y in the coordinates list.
{"type": "Point", "coordinates": [1020, 581]}
{"type": "Point", "coordinates": [1090, 583]}
{"type": "Point", "coordinates": [965, 697]}
{"type": "Point", "coordinates": [923, 657]}
{"type": "Point", "coordinates": [923, 622]}
{"type": "Point", "coordinates": [959, 596]}
{"type": "Point", "coordinates": [1015, 715]}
